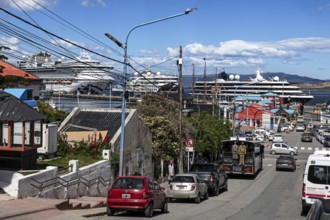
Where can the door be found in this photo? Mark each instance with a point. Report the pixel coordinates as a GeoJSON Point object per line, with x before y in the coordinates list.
{"type": "Point", "coordinates": [318, 184]}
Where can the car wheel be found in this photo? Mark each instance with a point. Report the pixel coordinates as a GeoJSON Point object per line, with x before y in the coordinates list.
{"type": "Point", "coordinates": [165, 207]}
{"type": "Point", "coordinates": [292, 153]}
{"type": "Point", "coordinates": [149, 211]}
{"type": "Point", "coordinates": [110, 212]}
{"type": "Point", "coordinates": [273, 152]}
{"type": "Point", "coordinates": [206, 195]}
{"type": "Point", "coordinates": [198, 199]}
{"type": "Point", "coordinates": [225, 188]}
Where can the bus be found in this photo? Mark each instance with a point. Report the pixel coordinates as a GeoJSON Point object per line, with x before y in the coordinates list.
{"type": "Point", "coordinates": [252, 159]}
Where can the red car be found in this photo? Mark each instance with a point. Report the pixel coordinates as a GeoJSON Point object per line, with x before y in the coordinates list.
{"type": "Point", "coordinates": [136, 193]}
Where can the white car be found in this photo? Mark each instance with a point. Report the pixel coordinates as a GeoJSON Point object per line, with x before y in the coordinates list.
{"type": "Point", "coordinates": [283, 148]}
{"type": "Point", "coordinates": [278, 138]}
{"type": "Point", "coordinates": [300, 127]}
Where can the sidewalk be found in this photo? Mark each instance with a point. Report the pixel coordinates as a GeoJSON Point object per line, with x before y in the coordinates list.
{"type": "Point", "coordinates": [41, 208]}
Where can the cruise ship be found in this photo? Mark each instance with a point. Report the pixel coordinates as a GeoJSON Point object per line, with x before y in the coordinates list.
{"type": "Point", "coordinates": [81, 74]}
{"type": "Point", "coordinates": [152, 82]}
{"type": "Point", "coordinates": [227, 87]}
{"type": "Point", "coordinates": [149, 82]}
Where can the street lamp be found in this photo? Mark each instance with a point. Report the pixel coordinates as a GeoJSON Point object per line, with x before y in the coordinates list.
{"type": "Point", "coordinates": [124, 46]}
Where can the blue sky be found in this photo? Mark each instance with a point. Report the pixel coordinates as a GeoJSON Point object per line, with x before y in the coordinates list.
{"type": "Point", "coordinates": [291, 36]}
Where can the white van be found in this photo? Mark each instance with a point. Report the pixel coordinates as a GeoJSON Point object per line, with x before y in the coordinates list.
{"type": "Point", "coordinates": [316, 182]}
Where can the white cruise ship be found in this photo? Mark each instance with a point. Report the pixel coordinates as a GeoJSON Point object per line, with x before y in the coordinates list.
{"type": "Point", "coordinates": [81, 74]}
{"type": "Point", "coordinates": [227, 87]}
{"type": "Point", "coordinates": [147, 82]}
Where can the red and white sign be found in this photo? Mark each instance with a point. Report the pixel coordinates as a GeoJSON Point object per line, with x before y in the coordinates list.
{"type": "Point", "coordinates": [190, 142]}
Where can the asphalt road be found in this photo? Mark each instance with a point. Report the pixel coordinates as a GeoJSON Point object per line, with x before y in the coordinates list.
{"type": "Point", "coordinates": [271, 195]}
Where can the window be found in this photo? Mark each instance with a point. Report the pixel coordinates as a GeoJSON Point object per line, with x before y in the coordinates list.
{"type": "Point", "coordinates": [128, 183]}
{"type": "Point", "coordinates": [183, 179]}
{"type": "Point", "coordinates": [318, 174]}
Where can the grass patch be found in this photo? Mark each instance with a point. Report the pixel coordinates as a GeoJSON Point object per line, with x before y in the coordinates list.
{"type": "Point", "coordinates": [63, 162]}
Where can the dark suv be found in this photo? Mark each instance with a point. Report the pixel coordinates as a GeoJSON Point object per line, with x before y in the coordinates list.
{"type": "Point", "coordinates": [306, 137]}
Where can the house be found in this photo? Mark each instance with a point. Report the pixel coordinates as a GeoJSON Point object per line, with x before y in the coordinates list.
{"type": "Point", "coordinates": [91, 124]}
{"type": "Point", "coordinates": [24, 79]}
{"type": "Point", "coordinates": [19, 123]}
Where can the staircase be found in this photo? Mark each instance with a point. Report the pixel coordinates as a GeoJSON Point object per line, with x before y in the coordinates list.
{"type": "Point", "coordinates": [83, 203]}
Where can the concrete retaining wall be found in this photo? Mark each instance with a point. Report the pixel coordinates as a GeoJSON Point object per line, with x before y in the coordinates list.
{"type": "Point", "coordinates": [58, 191]}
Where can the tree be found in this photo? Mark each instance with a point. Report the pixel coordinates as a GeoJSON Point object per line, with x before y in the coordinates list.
{"type": "Point", "coordinates": [161, 116]}
{"type": "Point", "coordinates": [209, 132]}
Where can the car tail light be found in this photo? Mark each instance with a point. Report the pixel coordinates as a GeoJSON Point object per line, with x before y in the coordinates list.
{"type": "Point", "coordinates": [211, 179]}
{"type": "Point", "coordinates": [226, 168]}
{"type": "Point", "coordinates": [193, 187]}
{"type": "Point", "coordinates": [145, 195]}
{"type": "Point", "coordinates": [171, 187]}
{"type": "Point", "coordinates": [303, 190]}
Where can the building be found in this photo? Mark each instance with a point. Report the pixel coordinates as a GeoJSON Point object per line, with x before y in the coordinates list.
{"type": "Point", "coordinates": [19, 123]}
{"type": "Point", "coordinates": [90, 124]}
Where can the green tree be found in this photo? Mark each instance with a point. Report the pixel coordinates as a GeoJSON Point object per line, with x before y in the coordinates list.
{"type": "Point", "coordinates": [209, 132]}
{"type": "Point", "coordinates": [51, 114]}
{"type": "Point", "coordinates": [161, 116]}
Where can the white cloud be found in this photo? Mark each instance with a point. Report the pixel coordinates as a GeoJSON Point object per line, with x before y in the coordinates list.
{"type": "Point", "coordinates": [239, 53]}
{"type": "Point", "coordinates": [93, 3]}
{"type": "Point", "coordinates": [27, 4]}
{"type": "Point", "coordinates": [66, 44]}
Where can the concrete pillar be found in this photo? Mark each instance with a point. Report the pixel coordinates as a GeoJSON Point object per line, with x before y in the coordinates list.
{"type": "Point", "coordinates": [74, 165]}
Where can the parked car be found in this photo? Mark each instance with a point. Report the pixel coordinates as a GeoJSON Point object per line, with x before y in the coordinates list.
{"type": "Point", "coordinates": [286, 162]}
{"type": "Point", "coordinates": [300, 127]}
{"type": "Point", "coordinates": [278, 138]}
{"type": "Point", "coordinates": [283, 148]}
{"type": "Point", "coordinates": [215, 178]}
{"type": "Point", "coordinates": [187, 186]}
{"type": "Point", "coordinates": [300, 119]}
{"type": "Point", "coordinates": [319, 210]}
{"type": "Point", "coordinates": [326, 142]}
{"type": "Point", "coordinates": [136, 193]}
{"type": "Point", "coordinates": [306, 137]}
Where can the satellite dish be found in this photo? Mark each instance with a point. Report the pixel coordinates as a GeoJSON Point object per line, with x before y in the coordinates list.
{"type": "Point", "coordinates": [231, 77]}
{"type": "Point", "coordinates": [136, 73]}
{"type": "Point", "coordinates": [148, 73]}
{"type": "Point", "coordinates": [237, 77]}
{"type": "Point", "coordinates": [158, 73]}
{"type": "Point", "coordinates": [276, 78]}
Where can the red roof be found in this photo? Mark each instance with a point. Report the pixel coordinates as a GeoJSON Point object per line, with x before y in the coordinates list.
{"type": "Point", "coordinates": [10, 70]}
{"type": "Point", "coordinates": [253, 111]}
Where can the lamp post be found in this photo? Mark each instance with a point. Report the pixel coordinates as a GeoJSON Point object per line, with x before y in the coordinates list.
{"type": "Point", "coordinates": [124, 46]}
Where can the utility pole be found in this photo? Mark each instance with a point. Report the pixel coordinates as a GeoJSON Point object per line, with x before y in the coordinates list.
{"type": "Point", "coordinates": [193, 80]}
{"type": "Point", "coordinates": [180, 114]}
{"type": "Point", "coordinates": [204, 80]}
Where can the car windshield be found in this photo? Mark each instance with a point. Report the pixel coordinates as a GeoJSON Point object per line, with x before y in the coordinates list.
{"type": "Point", "coordinates": [128, 183]}
{"type": "Point", "coordinates": [183, 179]}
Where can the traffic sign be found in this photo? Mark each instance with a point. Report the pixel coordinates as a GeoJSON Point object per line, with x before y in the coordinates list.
{"type": "Point", "coordinates": [190, 142]}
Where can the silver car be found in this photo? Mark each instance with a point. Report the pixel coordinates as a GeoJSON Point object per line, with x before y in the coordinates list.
{"type": "Point", "coordinates": [283, 148]}
{"type": "Point", "coordinates": [187, 186]}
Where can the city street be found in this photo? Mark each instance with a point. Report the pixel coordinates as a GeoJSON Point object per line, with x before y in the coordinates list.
{"type": "Point", "coordinates": [271, 195]}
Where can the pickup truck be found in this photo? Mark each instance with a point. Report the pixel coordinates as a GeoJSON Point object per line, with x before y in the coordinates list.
{"type": "Point", "coordinates": [214, 177]}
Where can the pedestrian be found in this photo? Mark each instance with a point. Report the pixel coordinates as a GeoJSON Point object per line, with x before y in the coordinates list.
{"type": "Point", "coordinates": [170, 171]}
{"type": "Point", "coordinates": [262, 150]}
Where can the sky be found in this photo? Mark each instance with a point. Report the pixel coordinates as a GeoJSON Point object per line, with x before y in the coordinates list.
{"type": "Point", "coordinates": [238, 36]}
